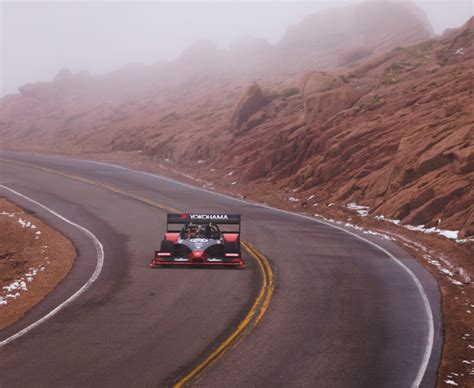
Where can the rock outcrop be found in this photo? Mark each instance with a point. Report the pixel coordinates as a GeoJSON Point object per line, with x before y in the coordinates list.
{"type": "Point", "coordinates": [251, 101]}
{"type": "Point", "coordinates": [319, 81]}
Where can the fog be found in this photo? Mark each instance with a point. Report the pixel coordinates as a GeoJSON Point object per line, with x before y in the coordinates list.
{"type": "Point", "coordinates": [40, 38]}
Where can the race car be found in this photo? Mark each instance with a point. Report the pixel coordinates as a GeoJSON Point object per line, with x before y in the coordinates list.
{"type": "Point", "coordinates": [200, 241]}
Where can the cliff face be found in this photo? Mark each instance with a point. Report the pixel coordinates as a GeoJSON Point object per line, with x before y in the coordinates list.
{"type": "Point", "coordinates": [393, 131]}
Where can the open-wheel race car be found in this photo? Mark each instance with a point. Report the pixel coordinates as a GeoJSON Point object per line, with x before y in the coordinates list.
{"type": "Point", "coordinates": [201, 240]}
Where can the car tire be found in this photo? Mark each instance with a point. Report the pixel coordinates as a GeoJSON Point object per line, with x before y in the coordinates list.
{"type": "Point", "coordinates": [231, 247]}
{"type": "Point", "coordinates": [167, 246]}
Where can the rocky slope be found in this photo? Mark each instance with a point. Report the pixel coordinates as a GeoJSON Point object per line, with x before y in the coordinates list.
{"type": "Point", "coordinates": [390, 130]}
{"type": "Point", "coordinates": [395, 133]}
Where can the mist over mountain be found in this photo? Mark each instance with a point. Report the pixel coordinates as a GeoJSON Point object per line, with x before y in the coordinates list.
{"type": "Point", "coordinates": [336, 81]}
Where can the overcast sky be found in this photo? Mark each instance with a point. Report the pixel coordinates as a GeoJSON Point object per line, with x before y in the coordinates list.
{"type": "Point", "coordinates": [39, 38]}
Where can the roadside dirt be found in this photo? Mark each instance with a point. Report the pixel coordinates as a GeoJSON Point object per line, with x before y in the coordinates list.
{"type": "Point", "coordinates": [34, 259]}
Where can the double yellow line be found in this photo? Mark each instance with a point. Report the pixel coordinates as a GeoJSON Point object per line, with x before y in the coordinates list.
{"type": "Point", "coordinates": [251, 318]}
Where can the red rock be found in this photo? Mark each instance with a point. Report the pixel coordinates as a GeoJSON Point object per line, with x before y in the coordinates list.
{"type": "Point", "coordinates": [319, 81]}
{"type": "Point", "coordinates": [249, 102]}
{"type": "Point", "coordinates": [321, 106]}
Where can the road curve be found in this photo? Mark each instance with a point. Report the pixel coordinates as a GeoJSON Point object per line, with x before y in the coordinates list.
{"type": "Point", "coordinates": [343, 314]}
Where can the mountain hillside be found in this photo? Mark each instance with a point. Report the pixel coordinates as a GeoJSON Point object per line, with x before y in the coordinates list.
{"type": "Point", "coordinates": [392, 130]}
{"type": "Point", "coordinates": [395, 133]}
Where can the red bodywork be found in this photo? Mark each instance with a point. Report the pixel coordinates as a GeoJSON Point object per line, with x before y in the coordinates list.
{"type": "Point", "coordinates": [171, 236]}
{"type": "Point", "coordinates": [230, 237]}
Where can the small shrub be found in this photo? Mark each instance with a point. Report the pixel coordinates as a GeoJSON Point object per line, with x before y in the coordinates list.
{"type": "Point", "coordinates": [426, 45]}
{"type": "Point", "coordinates": [343, 78]}
{"type": "Point", "coordinates": [395, 66]}
{"type": "Point", "coordinates": [290, 92]}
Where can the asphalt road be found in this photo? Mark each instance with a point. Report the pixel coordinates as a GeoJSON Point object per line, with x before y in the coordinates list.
{"type": "Point", "coordinates": [343, 313]}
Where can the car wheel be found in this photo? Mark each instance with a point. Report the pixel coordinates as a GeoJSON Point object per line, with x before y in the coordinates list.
{"type": "Point", "coordinates": [167, 246]}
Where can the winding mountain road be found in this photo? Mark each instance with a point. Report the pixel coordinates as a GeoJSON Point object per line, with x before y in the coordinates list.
{"type": "Point", "coordinates": [346, 310]}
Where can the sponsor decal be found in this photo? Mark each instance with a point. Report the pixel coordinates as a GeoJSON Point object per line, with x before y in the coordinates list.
{"type": "Point", "coordinates": [214, 260]}
{"type": "Point", "coordinates": [199, 240]}
{"type": "Point", "coordinates": [181, 259]}
{"type": "Point", "coordinates": [219, 217]}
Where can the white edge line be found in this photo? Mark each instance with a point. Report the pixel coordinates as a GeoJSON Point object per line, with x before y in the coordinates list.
{"type": "Point", "coordinates": [100, 263]}
{"type": "Point", "coordinates": [429, 313]}
{"type": "Point", "coordinates": [424, 297]}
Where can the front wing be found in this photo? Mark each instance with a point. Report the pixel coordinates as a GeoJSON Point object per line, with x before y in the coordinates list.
{"type": "Point", "coordinates": [232, 261]}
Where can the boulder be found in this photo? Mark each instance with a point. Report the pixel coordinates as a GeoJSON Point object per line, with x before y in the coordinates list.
{"type": "Point", "coordinates": [319, 81]}
{"type": "Point", "coordinates": [250, 102]}
{"type": "Point", "coordinates": [256, 119]}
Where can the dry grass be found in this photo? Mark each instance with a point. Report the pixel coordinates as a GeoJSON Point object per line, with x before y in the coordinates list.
{"type": "Point", "coordinates": [23, 249]}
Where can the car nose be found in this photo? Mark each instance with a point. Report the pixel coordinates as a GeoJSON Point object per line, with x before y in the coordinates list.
{"type": "Point", "coordinates": [197, 254]}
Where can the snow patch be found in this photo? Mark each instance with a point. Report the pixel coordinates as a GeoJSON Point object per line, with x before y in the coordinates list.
{"type": "Point", "coordinates": [451, 234]}
{"type": "Point", "coordinates": [383, 235]}
{"type": "Point", "coordinates": [446, 271]}
{"type": "Point", "coordinates": [16, 285]}
{"type": "Point", "coordinates": [450, 382]}
{"type": "Point", "coordinates": [362, 211]}
{"type": "Point", "coordinates": [13, 290]}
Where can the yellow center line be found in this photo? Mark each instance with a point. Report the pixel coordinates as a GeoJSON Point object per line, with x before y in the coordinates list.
{"type": "Point", "coordinates": [252, 317]}
{"type": "Point", "coordinates": [268, 296]}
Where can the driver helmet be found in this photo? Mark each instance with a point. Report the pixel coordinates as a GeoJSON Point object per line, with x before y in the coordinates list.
{"type": "Point", "coordinates": [192, 230]}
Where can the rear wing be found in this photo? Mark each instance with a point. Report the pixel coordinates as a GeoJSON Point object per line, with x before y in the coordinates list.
{"type": "Point", "coordinates": [203, 218]}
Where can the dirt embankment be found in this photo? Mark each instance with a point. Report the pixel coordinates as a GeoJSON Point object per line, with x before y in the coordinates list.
{"type": "Point", "coordinates": [34, 258]}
